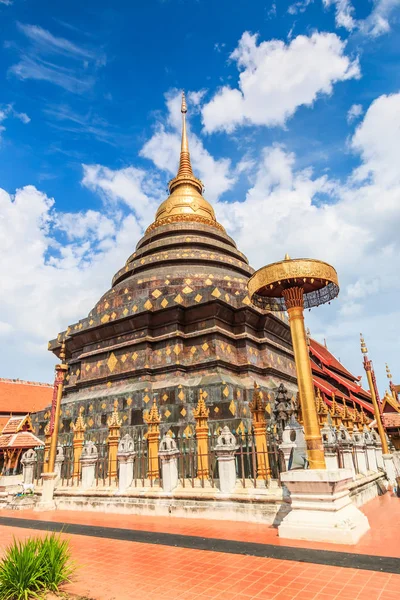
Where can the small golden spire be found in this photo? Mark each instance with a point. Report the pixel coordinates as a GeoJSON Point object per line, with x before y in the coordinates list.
{"type": "Point", "coordinates": [364, 348]}
{"type": "Point", "coordinates": [62, 353]}
{"type": "Point", "coordinates": [388, 373]}
{"type": "Point", "coordinates": [287, 257]}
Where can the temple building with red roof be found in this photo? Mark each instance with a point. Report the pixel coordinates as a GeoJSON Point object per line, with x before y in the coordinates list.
{"type": "Point", "coordinates": [16, 437]}
{"type": "Point", "coordinates": [20, 398]}
{"type": "Point", "coordinates": [335, 382]}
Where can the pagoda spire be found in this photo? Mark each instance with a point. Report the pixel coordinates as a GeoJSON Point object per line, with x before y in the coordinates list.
{"type": "Point", "coordinates": [185, 172]}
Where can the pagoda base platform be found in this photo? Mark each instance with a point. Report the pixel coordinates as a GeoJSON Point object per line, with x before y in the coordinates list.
{"type": "Point", "coordinates": [321, 507]}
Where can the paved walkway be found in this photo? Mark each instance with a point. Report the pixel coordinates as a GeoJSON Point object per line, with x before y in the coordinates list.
{"type": "Point", "coordinates": [112, 568]}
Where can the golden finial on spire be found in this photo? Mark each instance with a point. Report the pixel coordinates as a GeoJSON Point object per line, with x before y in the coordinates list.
{"type": "Point", "coordinates": [364, 348]}
{"type": "Point", "coordinates": [185, 202]}
{"type": "Point", "coordinates": [287, 257]}
{"type": "Point", "coordinates": [183, 105]}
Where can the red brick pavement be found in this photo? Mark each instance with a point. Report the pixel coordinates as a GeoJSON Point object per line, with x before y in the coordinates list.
{"type": "Point", "coordinates": [121, 570]}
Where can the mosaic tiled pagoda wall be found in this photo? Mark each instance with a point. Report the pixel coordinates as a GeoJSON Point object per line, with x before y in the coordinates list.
{"type": "Point", "coordinates": [177, 319]}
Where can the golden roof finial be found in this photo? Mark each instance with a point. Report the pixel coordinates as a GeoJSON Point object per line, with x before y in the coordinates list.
{"type": "Point", "coordinates": [185, 202]}
{"type": "Point", "coordinates": [364, 348]}
{"type": "Point", "coordinates": [287, 257]}
{"type": "Point", "coordinates": [388, 373]}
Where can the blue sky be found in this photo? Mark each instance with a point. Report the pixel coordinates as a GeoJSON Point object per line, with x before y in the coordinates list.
{"type": "Point", "coordinates": [294, 112]}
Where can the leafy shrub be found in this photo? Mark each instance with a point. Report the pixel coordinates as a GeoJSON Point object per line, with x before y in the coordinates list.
{"type": "Point", "coordinates": [31, 567]}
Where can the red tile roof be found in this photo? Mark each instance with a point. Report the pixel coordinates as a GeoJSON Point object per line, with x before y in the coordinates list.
{"type": "Point", "coordinates": [391, 419]}
{"type": "Point", "coordinates": [18, 396]}
{"type": "Point", "coordinates": [23, 439]}
{"type": "Point", "coordinates": [328, 359]}
{"type": "Point", "coordinates": [3, 421]}
{"type": "Point", "coordinates": [13, 424]}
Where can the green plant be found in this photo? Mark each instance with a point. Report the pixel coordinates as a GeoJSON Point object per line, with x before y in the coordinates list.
{"type": "Point", "coordinates": [55, 557]}
{"type": "Point", "coordinates": [21, 575]}
{"type": "Point", "coordinates": [32, 567]}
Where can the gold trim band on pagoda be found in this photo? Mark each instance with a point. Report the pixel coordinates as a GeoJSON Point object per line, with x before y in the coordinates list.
{"type": "Point", "coordinates": [182, 218]}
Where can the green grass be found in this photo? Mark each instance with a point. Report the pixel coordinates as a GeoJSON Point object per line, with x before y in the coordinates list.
{"type": "Point", "coordinates": [30, 568]}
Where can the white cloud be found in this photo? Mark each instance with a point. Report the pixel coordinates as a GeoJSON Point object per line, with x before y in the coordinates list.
{"type": "Point", "coordinates": [276, 78]}
{"type": "Point", "coordinates": [344, 13]}
{"type": "Point", "coordinates": [6, 2]}
{"type": "Point", "coordinates": [378, 22]}
{"type": "Point", "coordinates": [355, 111]}
{"type": "Point", "coordinates": [41, 60]}
{"type": "Point", "coordinates": [7, 111]}
{"type": "Point", "coordinates": [134, 187]}
{"type": "Point", "coordinates": [164, 146]}
{"type": "Point", "coordinates": [58, 265]}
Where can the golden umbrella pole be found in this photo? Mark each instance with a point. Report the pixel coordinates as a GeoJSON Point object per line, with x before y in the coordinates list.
{"type": "Point", "coordinates": [293, 285]}
{"type": "Point", "coordinates": [61, 370]}
{"type": "Point", "coordinates": [295, 308]}
{"type": "Point", "coordinates": [372, 388]}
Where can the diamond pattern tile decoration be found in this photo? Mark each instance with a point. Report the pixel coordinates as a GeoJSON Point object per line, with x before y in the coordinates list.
{"type": "Point", "coordinates": [205, 394]}
{"type": "Point", "coordinates": [181, 396]}
{"type": "Point", "coordinates": [156, 293]}
{"type": "Point", "coordinates": [232, 408]}
{"type": "Point", "coordinates": [112, 362]}
{"type": "Point", "coordinates": [87, 368]}
{"type": "Point", "coordinates": [134, 356]}
{"type": "Point", "coordinates": [106, 305]}
{"type": "Point", "coordinates": [177, 349]}
{"type": "Point", "coordinates": [183, 412]}
{"type": "Point", "coordinates": [205, 346]}
{"type": "Point", "coordinates": [226, 391]}
{"type": "Point", "coordinates": [208, 282]}
{"type": "Point", "coordinates": [146, 399]}
{"type": "Point", "coordinates": [164, 303]}
{"type": "Point", "coordinates": [164, 397]}
{"type": "Point", "coordinates": [216, 409]}
{"type": "Point", "coordinates": [187, 290]}
{"type": "Point", "coordinates": [216, 293]}
{"type": "Point", "coordinates": [188, 431]}
{"type": "Point", "coordinates": [90, 422]}
{"type": "Point", "coordinates": [178, 299]}
{"type": "Point", "coordinates": [114, 314]}
{"type": "Point", "coordinates": [148, 305]}
{"type": "Point", "coordinates": [193, 349]}
{"type": "Point", "coordinates": [125, 312]}
{"type": "Point", "coordinates": [134, 308]}
{"type": "Point", "coordinates": [167, 413]}
{"type": "Point", "coordinates": [91, 322]}
{"type": "Point", "coordinates": [188, 281]}
{"type": "Point", "coordinates": [246, 300]}
{"type": "Point", "coordinates": [129, 401]}
{"type": "Point", "coordinates": [167, 282]}
{"type": "Point", "coordinates": [241, 429]}
{"type": "Point", "coordinates": [104, 405]}
{"type": "Point", "coordinates": [168, 351]}
{"type": "Point", "coordinates": [126, 290]}
{"type": "Point", "coordinates": [125, 418]}
{"type": "Point", "coordinates": [124, 357]}
{"type": "Point", "coordinates": [198, 297]}
{"type": "Point", "coordinates": [109, 384]}
{"type": "Point", "coordinates": [105, 318]}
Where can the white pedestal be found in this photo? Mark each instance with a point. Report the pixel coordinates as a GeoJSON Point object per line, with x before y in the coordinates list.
{"type": "Point", "coordinates": [322, 510]}
{"type": "Point", "coordinates": [388, 465]}
{"type": "Point", "coordinates": [47, 499]}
